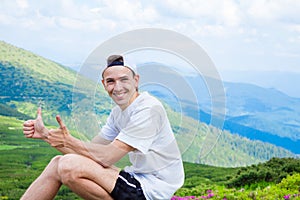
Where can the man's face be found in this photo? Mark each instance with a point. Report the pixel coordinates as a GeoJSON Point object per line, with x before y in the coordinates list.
{"type": "Point", "coordinates": [121, 85]}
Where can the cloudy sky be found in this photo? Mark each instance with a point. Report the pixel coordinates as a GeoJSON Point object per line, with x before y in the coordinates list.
{"type": "Point", "coordinates": [243, 38]}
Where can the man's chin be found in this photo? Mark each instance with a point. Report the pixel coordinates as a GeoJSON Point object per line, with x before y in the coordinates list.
{"type": "Point", "coordinates": [121, 103]}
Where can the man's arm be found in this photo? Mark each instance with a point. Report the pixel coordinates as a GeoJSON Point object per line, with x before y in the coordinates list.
{"type": "Point", "coordinates": [106, 153]}
{"type": "Point", "coordinates": [100, 140]}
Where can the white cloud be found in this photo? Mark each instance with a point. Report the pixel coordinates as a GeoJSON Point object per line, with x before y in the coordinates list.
{"type": "Point", "coordinates": [231, 14]}
{"type": "Point", "coordinates": [220, 25]}
{"type": "Point", "coordinates": [202, 18]}
{"type": "Point", "coordinates": [22, 4]}
{"type": "Point", "coordinates": [294, 28]}
{"type": "Point", "coordinates": [191, 8]}
{"type": "Point", "coordinates": [213, 12]}
{"type": "Point", "coordinates": [127, 12]}
{"type": "Point", "coordinates": [6, 19]}
{"type": "Point", "coordinates": [280, 10]}
{"type": "Point", "coordinates": [69, 23]}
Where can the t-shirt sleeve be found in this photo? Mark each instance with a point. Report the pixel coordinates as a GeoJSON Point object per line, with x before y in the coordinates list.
{"type": "Point", "coordinates": [109, 131]}
{"type": "Point", "coordinates": [142, 128]}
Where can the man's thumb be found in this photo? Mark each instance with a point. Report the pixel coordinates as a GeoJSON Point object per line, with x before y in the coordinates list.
{"type": "Point", "coordinates": [60, 122]}
{"type": "Point", "coordinates": [39, 112]}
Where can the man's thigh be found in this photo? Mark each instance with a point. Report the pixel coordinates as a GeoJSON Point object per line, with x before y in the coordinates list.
{"type": "Point", "coordinates": [79, 166]}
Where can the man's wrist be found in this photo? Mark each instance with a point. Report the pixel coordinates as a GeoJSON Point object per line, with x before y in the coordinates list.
{"type": "Point", "coordinates": [70, 142]}
{"type": "Point", "coordinates": [45, 133]}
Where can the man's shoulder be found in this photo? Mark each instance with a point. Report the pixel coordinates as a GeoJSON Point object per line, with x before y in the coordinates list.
{"type": "Point", "coordinates": [149, 99]}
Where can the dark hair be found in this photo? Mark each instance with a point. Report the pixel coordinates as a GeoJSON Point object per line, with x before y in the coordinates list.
{"type": "Point", "coordinates": [114, 60]}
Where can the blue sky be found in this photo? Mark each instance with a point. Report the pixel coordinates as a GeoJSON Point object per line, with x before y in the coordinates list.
{"type": "Point", "coordinates": [243, 38]}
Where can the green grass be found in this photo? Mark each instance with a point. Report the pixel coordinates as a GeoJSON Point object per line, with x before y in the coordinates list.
{"type": "Point", "coordinates": [22, 160]}
{"type": "Point", "coordinates": [10, 147]}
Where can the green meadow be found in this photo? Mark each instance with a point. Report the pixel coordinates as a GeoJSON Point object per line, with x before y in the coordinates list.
{"type": "Point", "coordinates": [22, 160]}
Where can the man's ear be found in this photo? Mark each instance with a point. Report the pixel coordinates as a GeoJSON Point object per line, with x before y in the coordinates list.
{"type": "Point", "coordinates": [103, 84]}
{"type": "Point", "coordinates": [137, 78]}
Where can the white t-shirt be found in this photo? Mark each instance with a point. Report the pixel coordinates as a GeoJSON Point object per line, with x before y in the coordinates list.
{"type": "Point", "coordinates": [156, 162]}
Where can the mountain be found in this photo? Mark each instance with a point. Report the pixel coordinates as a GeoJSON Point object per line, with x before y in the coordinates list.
{"type": "Point", "coordinates": [29, 80]}
{"type": "Point", "coordinates": [263, 114]}
{"type": "Point", "coordinates": [264, 109]}
{"type": "Point", "coordinates": [41, 68]}
{"type": "Point", "coordinates": [281, 80]}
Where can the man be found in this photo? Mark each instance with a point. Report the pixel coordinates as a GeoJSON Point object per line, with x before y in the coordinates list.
{"type": "Point", "coordinates": [137, 125]}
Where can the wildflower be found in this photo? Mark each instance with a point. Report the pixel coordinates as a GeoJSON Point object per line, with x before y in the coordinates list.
{"type": "Point", "coordinates": [287, 196]}
{"type": "Point", "coordinates": [210, 195]}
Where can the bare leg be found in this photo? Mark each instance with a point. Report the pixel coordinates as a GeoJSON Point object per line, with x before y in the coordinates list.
{"type": "Point", "coordinates": [87, 178]}
{"type": "Point", "coordinates": [46, 185]}
{"type": "Point", "coordinates": [82, 175]}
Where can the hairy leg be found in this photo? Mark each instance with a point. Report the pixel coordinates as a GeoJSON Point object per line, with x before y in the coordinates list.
{"type": "Point", "coordinates": [87, 178]}
{"type": "Point", "coordinates": [46, 185]}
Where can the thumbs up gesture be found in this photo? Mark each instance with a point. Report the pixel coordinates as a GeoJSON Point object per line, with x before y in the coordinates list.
{"type": "Point", "coordinates": [35, 128]}
{"type": "Point", "coordinates": [59, 137]}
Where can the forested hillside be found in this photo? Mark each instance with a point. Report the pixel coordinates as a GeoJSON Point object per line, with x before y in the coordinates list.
{"type": "Point", "coordinates": [37, 66]}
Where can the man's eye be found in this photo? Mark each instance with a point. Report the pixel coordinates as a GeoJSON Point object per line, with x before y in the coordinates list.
{"type": "Point", "coordinates": [109, 81]}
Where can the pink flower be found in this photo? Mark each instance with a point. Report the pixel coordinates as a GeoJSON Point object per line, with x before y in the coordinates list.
{"type": "Point", "coordinates": [210, 195]}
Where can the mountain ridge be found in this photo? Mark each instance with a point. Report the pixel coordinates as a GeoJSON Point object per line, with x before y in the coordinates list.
{"type": "Point", "coordinates": [249, 109]}
{"type": "Point", "coordinates": [22, 58]}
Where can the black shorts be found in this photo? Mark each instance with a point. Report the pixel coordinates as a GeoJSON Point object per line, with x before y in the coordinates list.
{"type": "Point", "coordinates": [127, 188]}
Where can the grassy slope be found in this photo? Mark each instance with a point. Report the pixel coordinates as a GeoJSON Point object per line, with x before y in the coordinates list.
{"type": "Point", "coordinates": [22, 160]}
{"type": "Point", "coordinates": [42, 68]}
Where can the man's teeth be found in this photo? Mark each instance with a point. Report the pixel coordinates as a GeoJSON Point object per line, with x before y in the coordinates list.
{"type": "Point", "coordinates": [119, 94]}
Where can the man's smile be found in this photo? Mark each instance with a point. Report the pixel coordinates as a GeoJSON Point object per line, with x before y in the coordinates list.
{"type": "Point", "coordinates": [119, 95]}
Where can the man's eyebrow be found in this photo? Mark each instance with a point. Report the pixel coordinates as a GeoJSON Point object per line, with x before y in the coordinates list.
{"type": "Point", "coordinates": [109, 79]}
{"type": "Point", "coordinates": [112, 79]}
{"type": "Point", "coordinates": [125, 76]}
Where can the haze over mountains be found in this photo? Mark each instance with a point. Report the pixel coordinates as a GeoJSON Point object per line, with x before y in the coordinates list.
{"type": "Point", "coordinates": [265, 114]}
{"type": "Point", "coordinates": [28, 78]}
{"type": "Point", "coordinates": [283, 81]}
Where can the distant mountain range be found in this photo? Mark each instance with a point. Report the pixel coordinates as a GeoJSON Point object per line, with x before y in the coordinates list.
{"type": "Point", "coordinates": [281, 80]}
{"type": "Point", "coordinates": [254, 112]}
{"type": "Point", "coordinates": [28, 80]}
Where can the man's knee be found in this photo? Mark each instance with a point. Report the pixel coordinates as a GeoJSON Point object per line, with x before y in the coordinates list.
{"type": "Point", "coordinates": [55, 160]}
{"type": "Point", "coordinates": [68, 168]}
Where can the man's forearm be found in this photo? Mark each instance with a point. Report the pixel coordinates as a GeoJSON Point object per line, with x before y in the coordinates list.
{"type": "Point", "coordinates": [60, 147]}
{"type": "Point", "coordinates": [106, 155]}
{"type": "Point", "coordinates": [65, 150]}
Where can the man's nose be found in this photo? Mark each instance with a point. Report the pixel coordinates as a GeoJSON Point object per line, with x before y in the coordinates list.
{"type": "Point", "coordinates": [118, 85]}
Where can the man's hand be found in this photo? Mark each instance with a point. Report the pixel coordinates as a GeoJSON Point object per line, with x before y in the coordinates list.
{"type": "Point", "coordinates": [35, 128]}
{"type": "Point", "coordinates": [58, 137]}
